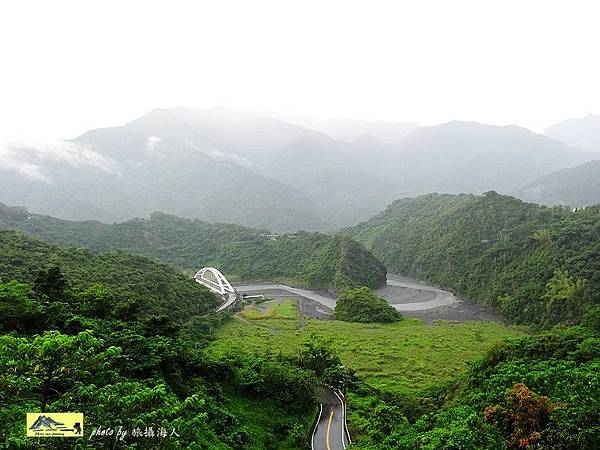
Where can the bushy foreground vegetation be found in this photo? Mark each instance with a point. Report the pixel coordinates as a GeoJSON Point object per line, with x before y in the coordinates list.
{"type": "Point", "coordinates": [120, 338]}
{"type": "Point", "coordinates": [363, 305]}
{"type": "Point", "coordinates": [537, 265]}
{"type": "Point", "coordinates": [313, 260]}
{"type": "Point", "coordinates": [447, 386]}
{"type": "Point", "coordinates": [539, 392]}
{"type": "Point", "coordinates": [131, 342]}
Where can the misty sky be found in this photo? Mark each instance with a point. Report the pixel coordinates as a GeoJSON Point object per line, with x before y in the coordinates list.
{"type": "Point", "coordinates": [70, 66]}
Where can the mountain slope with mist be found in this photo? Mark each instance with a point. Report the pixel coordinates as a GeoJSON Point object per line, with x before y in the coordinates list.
{"type": "Point", "coordinates": [128, 172]}
{"type": "Point", "coordinates": [576, 186]}
{"type": "Point", "coordinates": [581, 133]}
{"type": "Point", "coordinates": [223, 165]}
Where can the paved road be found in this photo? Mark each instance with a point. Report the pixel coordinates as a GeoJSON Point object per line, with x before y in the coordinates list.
{"type": "Point", "coordinates": [330, 430]}
{"type": "Point", "coordinates": [329, 302]}
{"type": "Point", "coordinates": [312, 304]}
{"type": "Point", "coordinates": [231, 297]}
{"type": "Point", "coordinates": [404, 294]}
{"type": "Point", "coordinates": [411, 297]}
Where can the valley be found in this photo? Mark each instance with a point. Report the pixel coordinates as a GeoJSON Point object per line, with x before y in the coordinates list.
{"type": "Point", "coordinates": [496, 295]}
{"type": "Point", "coordinates": [411, 297]}
{"type": "Point", "coordinates": [317, 225]}
{"type": "Point", "coordinates": [409, 357]}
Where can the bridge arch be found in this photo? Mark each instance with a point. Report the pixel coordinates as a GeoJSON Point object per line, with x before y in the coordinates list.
{"type": "Point", "coordinates": [214, 280]}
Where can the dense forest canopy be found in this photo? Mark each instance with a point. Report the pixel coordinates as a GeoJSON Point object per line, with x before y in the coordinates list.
{"type": "Point", "coordinates": [537, 265]}
{"type": "Point", "coordinates": [311, 259]}
{"type": "Point", "coordinates": [137, 284]}
{"type": "Point", "coordinates": [120, 337]}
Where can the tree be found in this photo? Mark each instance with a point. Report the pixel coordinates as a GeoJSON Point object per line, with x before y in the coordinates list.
{"type": "Point", "coordinates": [340, 377]}
{"type": "Point", "coordinates": [50, 282]}
{"type": "Point", "coordinates": [97, 301]}
{"type": "Point", "coordinates": [524, 414]}
{"type": "Point", "coordinates": [17, 310]}
{"type": "Point", "coordinates": [48, 366]}
{"type": "Point", "coordinates": [318, 355]}
{"type": "Point", "coordinates": [564, 297]}
{"type": "Point", "coordinates": [362, 305]}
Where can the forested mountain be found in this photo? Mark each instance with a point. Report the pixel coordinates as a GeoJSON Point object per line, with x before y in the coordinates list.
{"type": "Point", "coordinates": [576, 186]}
{"type": "Point", "coordinates": [535, 264]}
{"type": "Point", "coordinates": [226, 166]}
{"type": "Point", "coordinates": [137, 284]}
{"type": "Point", "coordinates": [120, 337]}
{"type": "Point", "coordinates": [310, 259]}
{"type": "Point", "coordinates": [579, 133]}
{"type": "Point", "coordinates": [158, 162]}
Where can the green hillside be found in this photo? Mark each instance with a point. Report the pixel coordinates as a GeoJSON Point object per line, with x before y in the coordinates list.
{"type": "Point", "coordinates": [535, 264]}
{"type": "Point", "coordinates": [310, 259]}
{"type": "Point", "coordinates": [137, 284]}
{"type": "Point", "coordinates": [119, 337]}
{"type": "Point", "coordinates": [468, 386]}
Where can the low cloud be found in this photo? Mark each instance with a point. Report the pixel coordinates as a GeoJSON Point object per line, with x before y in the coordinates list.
{"type": "Point", "coordinates": [31, 158]}
{"type": "Point", "coordinates": [153, 147]}
{"type": "Point", "coordinates": [215, 154]}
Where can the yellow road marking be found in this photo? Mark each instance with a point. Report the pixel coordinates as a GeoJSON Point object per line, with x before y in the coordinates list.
{"type": "Point", "coordinates": [328, 429]}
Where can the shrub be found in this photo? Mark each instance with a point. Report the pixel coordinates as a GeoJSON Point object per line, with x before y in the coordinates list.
{"type": "Point", "coordinates": [362, 305]}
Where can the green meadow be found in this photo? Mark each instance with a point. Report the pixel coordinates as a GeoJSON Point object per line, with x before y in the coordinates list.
{"type": "Point", "coordinates": [405, 357]}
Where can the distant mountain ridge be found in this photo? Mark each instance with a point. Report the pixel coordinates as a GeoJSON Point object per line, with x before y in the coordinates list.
{"type": "Point", "coordinates": [222, 165]}
{"type": "Point", "coordinates": [580, 133]}
{"type": "Point", "coordinates": [158, 162]}
{"type": "Point", "coordinates": [351, 130]}
{"type": "Point", "coordinates": [473, 158]}
{"type": "Point", "coordinates": [575, 186]}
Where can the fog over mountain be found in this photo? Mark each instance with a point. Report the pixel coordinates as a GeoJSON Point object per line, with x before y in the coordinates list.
{"type": "Point", "coordinates": [351, 130]}
{"type": "Point", "coordinates": [227, 166]}
{"type": "Point", "coordinates": [575, 186]}
{"type": "Point", "coordinates": [581, 133]}
{"type": "Point", "coordinates": [157, 162]}
{"type": "Point", "coordinates": [471, 157]}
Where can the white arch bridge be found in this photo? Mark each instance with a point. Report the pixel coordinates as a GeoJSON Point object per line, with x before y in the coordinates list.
{"type": "Point", "coordinates": [214, 280]}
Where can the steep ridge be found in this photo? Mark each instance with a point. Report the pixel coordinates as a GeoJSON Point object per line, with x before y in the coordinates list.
{"type": "Point", "coordinates": [497, 250]}
{"type": "Point", "coordinates": [309, 259]}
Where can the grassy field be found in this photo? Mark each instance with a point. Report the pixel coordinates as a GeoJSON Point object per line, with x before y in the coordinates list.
{"type": "Point", "coordinates": [407, 356]}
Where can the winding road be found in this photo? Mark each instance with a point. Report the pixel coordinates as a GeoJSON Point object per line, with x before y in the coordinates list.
{"type": "Point", "coordinates": [330, 431]}
{"type": "Point", "coordinates": [404, 294]}
{"type": "Point", "coordinates": [409, 296]}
